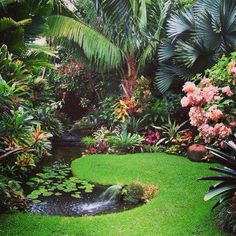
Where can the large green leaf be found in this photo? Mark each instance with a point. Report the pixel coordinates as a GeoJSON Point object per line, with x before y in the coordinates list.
{"type": "Point", "coordinates": [96, 47]}
{"type": "Point", "coordinates": [180, 23]}
{"type": "Point", "coordinates": [224, 170]}
{"type": "Point", "coordinates": [219, 190]}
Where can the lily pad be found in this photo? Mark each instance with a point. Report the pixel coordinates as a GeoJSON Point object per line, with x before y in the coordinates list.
{"type": "Point", "coordinates": [55, 181]}
{"type": "Point", "coordinates": [76, 195]}
{"type": "Point", "coordinates": [47, 194]}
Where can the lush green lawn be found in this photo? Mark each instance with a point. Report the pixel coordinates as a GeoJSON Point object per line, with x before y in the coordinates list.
{"type": "Point", "coordinates": [179, 208]}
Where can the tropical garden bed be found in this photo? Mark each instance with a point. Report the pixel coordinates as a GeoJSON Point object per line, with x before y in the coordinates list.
{"type": "Point", "coordinates": [142, 92]}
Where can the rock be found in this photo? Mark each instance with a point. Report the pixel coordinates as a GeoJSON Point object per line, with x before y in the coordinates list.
{"type": "Point", "coordinates": [197, 152]}
{"type": "Point", "coordinates": [68, 140]}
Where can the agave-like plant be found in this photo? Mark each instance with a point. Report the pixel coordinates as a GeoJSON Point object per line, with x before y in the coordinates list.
{"type": "Point", "coordinates": [226, 188]}
{"type": "Point", "coordinates": [170, 130]}
{"type": "Point", "coordinates": [126, 141]}
{"type": "Point", "coordinates": [196, 38]}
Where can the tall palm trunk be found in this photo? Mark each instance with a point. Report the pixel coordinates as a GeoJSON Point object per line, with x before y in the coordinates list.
{"type": "Point", "coordinates": [130, 79]}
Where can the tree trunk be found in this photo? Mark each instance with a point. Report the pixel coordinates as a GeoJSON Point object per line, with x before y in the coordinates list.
{"type": "Point", "coordinates": [129, 81]}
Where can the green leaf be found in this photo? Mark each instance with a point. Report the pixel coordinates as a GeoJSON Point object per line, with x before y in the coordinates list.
{"type": "Point", "coordinates": [95, 46]}
{"type": "Point", "coordinates": [219, 190]}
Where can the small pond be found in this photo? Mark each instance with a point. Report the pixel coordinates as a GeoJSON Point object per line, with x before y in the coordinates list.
{"type": "Point", "coordinates": [54, 191]}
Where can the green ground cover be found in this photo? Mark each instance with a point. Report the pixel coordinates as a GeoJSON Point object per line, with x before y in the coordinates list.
{"type": "Point", "coordinates": [177, 210]}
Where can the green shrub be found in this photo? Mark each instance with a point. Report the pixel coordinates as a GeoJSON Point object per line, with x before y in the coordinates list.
{"type": "Point", "coordinates": [158, 109]}
{"type": "Point", "coordinates": [88, 141]}
{"type": "Point", "coordinates": [11, 194]}
{"type": "Point", "coordinates": [137, 192]}
{"type": "Point", "coordinates": [47, 116]}
{"type": "Point", "coordinates": [125, 141]}
{"type": "Point", "coordinates": [154, 148]}
{"type": "Point", "coordinates": [106, 109]}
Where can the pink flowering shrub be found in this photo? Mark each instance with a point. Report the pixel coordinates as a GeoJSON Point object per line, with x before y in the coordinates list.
{"type": "Point", "coordinates": [212, 102]}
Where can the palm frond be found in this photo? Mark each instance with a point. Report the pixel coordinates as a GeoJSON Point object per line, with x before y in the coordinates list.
{"type": "Point", "coordinates": [115, 11]}
{"type": "Point", "coordinates": [160, 8]}
{"type": "Point", "coordinates": [211, 6]}
{"type": "Point", "coordinates": [7, 23]}
{"type": "Point", "coordinates": [180, 23]}
{"type": "Point", "coordinates": [166, 51]}
{"type": "Point", "coordinates": [42, 49]}
{"type": "Point", "coordinates": [167, 74]}
{"type": "Point", "coordinates": [195, 54]}
{"type": "Point", "coordinates": [228, 24]}
{"type": "Point", "coordinates": [37, 60]}
{"type": "Point", "coordinates": [208, 27]}
{"type": "Point", "coordinates": [96, 47]}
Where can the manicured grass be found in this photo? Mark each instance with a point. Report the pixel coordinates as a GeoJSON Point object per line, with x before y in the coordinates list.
{"type": "Point", "coordinates": [179, 208]}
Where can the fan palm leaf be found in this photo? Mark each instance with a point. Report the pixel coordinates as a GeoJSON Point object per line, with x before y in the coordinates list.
{"type": "Point", "coordinates": [169, 73]}
{"type": "Point", "coordinates": [198, 37]}
{"type": "Point", "coordinates": [195, 54]}
{"type": "Point", "coordinates": [166, 51]}
{"type": "Point", "coordinates": [180, 23]}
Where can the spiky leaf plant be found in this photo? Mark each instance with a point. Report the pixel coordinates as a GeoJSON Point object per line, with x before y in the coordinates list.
{"type": "Point", "coordinates": [226, 187]}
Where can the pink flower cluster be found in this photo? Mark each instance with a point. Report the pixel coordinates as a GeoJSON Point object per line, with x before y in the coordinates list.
{"type": "Point", "coordinates": [204, 113]}
{"type": "Point", "coordinates": [152, 137]}
{"type": "Point", "coordinates": [209, 132]}
{"type": "Point", "coordinates": [197, 96]}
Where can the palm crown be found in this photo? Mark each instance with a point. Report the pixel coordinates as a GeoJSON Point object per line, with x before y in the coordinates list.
{"type": "Point", "coordinates": [128, 34]}
{"type": "Point", "coordinates": [196, 38]}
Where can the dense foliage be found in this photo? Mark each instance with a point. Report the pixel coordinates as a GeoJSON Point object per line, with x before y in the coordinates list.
{"type": "Point", "coordinates": [85, 70]}
{"type": "Point", "coordinates": [212, 101]}
{"type": "Point", "coordinates": [28, 112]}
{"type": "Point", "coordinates": [196, 38]}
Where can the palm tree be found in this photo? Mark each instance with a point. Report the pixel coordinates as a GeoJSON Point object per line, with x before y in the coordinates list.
{"type": "Point", "coordinates": [195, 38]}
{"type": "Point", "coordinates": [125, 38]}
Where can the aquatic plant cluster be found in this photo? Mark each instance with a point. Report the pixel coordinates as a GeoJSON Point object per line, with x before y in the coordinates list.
{"type": "Point", "coordinates": [56, 181]}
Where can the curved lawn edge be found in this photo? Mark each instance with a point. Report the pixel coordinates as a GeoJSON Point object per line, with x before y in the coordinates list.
{"type": "Point", "coordinates": [178, 209]}
{"type": "Point", "coordinates": [105, 168]}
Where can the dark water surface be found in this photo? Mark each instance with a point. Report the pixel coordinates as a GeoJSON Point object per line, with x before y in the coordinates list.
{"type": "Point", "coordinates": [62, 155]}
{"type": "Point", "coordinates": [88, 204]}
